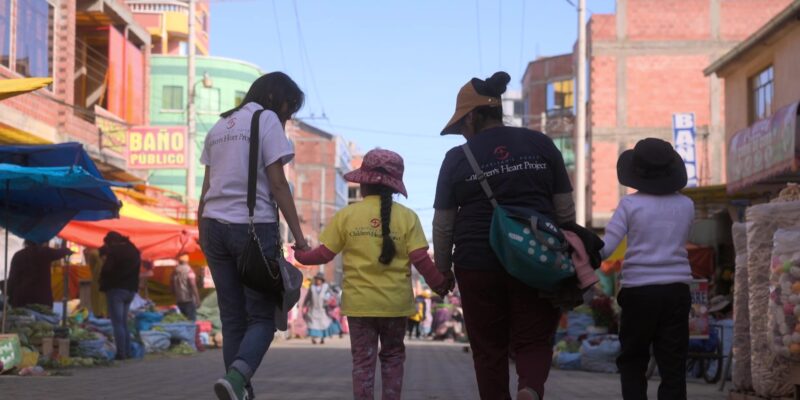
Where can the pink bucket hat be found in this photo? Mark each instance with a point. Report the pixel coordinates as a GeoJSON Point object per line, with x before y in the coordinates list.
{"type": "Point", "coordinates": [380, 167]}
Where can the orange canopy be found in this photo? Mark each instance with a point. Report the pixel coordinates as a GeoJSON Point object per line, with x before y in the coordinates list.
{"type": "Point", "coordinates": [154, 240]}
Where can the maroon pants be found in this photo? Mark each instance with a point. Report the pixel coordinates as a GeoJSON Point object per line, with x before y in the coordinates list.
{"type": "Point", "coordinates": [502, 314]}
{"type": "Point", "coordinates": [365, 333]}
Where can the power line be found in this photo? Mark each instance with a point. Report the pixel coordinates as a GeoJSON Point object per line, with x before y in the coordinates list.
{"type": "Point", "coordinates": [381, 132]}
{"type": "Point", "coordinates": [304, 52]}
{"type": "Point", "coordinates": [478, 30]}
{"type": "Point", "coordinates": [278, 29]}
{"type": "Point", "coordinates": [499, 35]}
{"type": "Point", "coordinates": [522, 35]}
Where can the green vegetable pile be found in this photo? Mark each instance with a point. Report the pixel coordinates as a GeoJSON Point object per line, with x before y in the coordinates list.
{"type": "Point", "coordinates": [79, 334]}
{"type": "Point", "coordinates": [41, 309]}
{"type": "Point", "coordinates": [182, 349]}
{"type": "Point", "coordinates": [41, 330]}
{"type": "Point", "coordinates": [172, 318]}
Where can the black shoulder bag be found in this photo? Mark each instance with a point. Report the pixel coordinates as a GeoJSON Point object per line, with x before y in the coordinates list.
{"type": "Point", "coordinates": [257, 271]}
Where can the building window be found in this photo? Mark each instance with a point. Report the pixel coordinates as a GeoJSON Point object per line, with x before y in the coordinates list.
{"type": "Point", "coordinates": [5, 33]}
{"type": "Point", "coordinates": [238, 98]}
{"type": "Point", "coordinates": [761, 92]}
{"type": "Point", "coordinates": [208, 100]}
{"type": "Point", "coordinates": [560, 97]}
{"type": "Point", "coordinates": [172, 98]}
{"type": "Point", "coordinates": [519, 108]}
{"type": "Point", "coordinates": [566, 145]}
{"type": "Point", "coordinates": [34, 50]}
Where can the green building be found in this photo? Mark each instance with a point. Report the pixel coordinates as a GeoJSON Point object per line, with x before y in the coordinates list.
{"type": "Point", "coordinates": [230, 80]}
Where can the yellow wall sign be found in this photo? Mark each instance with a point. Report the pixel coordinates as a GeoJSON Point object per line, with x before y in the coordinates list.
{"type": "Point", "coordinates": [157, 147]}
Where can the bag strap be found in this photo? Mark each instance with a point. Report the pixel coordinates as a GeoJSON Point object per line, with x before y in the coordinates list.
{"type": "Point", "coordinates": [479, 174]}
{"type": "Point", "coordinates": [252, 178]}
{"type": "Point", "coordinates": [252, 173]}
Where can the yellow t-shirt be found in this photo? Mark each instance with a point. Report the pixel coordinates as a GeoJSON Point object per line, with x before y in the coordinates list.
{"type": "Point", "coordinates": [372, 289]}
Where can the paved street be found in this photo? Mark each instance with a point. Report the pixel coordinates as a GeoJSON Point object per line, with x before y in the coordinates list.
{"type": "Point", "coordinates": [297, 370]}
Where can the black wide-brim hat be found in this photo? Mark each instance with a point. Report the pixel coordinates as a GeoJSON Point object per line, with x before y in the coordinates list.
{"type": "Point", "coordinates": [652, 167]}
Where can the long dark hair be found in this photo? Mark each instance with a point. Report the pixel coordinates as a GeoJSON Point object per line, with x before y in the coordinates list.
{"type": "Point", "coordinates": [388, 249]}
{"type": "Point", "coordinates": [272, 91]}
{"type": "Point", "coordinates": [493, 86]}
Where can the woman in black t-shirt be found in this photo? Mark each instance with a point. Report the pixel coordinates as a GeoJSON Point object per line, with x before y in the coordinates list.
{"type": "Point", "coordinates": [524, 169]}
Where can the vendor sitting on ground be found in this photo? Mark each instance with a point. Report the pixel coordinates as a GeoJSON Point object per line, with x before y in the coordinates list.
{"type": "Point", "coordinates": [29, 280]}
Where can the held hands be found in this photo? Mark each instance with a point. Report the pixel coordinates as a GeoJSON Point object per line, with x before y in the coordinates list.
{"type": "Point", "coordinates": [301, 245]}
{"type": "Point", "coordinates": [447, 285]}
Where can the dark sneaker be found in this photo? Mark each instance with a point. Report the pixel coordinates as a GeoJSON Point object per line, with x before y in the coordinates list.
{"type": "Point", "coordinates": [231, 387]}
{"type": "Point", "coordinates": [528, 394]}
{"type": "Point", "coordinates": [251, 394]}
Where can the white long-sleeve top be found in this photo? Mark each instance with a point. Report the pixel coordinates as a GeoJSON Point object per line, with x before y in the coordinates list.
{"type": "Point", "coordinates": [658, 229]}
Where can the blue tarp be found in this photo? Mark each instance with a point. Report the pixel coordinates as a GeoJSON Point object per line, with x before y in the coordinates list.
{"type": "Point", "coordinates": [47, 186]}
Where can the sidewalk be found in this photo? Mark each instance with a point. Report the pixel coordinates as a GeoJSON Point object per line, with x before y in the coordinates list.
{"type": "Point", "coordinates": [295, 369]}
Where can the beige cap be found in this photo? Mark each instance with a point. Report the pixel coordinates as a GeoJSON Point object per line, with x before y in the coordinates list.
{"type": "Point", "coordinates": [468, 99]}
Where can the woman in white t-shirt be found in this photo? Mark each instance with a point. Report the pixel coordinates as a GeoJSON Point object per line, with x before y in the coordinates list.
{"type": "Point", "coordinates": [248, 316]}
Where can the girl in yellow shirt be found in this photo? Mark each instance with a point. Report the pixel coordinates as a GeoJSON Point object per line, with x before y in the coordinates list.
{"type": "Point", "coordinates": [379, 240]}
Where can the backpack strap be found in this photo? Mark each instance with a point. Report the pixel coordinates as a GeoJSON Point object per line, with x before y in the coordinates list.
{"type": "Point", "coordinates": [479, 174]}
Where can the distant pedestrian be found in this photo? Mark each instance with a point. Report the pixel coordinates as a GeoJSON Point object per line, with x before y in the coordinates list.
{"type": "Point", "coordinates": [248, 316]}
{"type": "Point", "coordinates": [30, 274]}
{"type": "Point", "coordinates": [379, 239]}
{"type": "Point", "coordinates": [316, 313]}
{"type": "Point", "coordinates": [526, 171]}
{"type": "Point", "coordinates": [427, 322]}
{"type": "Point", "coordinates": [655, 297]}
{"type": "Point", "coordinates": [415, 320]}
{"type": "Point", "coordinates": [119, 279]}
{"type": "Point", "coordinates": [184, 287]}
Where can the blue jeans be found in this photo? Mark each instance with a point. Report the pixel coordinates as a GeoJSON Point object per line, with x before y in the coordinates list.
{"type": "Point", "coordinates": [119, 302]}
{"type": "Point", "coordinates": [248, 316]}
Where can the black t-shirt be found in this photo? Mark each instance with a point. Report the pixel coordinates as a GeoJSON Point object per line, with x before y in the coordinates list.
{"type": "Point", "coordinates": [524, 169]}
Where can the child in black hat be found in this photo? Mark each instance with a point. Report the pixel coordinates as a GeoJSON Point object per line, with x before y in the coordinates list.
{"type": "Point", "coordinates": [655, 296]}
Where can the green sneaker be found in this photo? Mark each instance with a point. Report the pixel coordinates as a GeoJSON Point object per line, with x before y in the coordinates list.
{"type": "Point", "coordinates": [231, 387]}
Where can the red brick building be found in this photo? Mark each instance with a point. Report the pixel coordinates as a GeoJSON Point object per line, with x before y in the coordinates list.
{"type": "Point", "coordinates": [98, 56]}
{"type": "Point", "coordinates": [645, 64]}
{"type": "Point", "coordinates": [321, 160]}
{"type": "Point", "coordinates": [549, 101]}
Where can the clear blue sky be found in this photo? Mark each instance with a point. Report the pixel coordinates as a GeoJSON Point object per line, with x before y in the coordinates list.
{"type": "Point", "coordinates": [386, 73]}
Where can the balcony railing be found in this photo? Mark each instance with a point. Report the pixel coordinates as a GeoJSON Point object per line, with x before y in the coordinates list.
{"type": "Point", "coordinates": [157, 7]}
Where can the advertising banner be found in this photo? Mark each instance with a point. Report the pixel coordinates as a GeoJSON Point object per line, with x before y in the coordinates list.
{"type": "Point", "coordinates": [763, 150]}
{"type": "Point", "coordinates": [698, 314]}
{"type": "Point", "coordinates": [157, 147]}
{"type": "Point", "coordinates": [685, 135]}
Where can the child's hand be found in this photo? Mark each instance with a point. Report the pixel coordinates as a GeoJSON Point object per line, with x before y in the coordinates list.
{"type": "Point", "coordinates": [446, 286]}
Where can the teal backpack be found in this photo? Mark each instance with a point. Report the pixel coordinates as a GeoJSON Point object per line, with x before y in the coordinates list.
{"type": "Point", "coordinates": [528, 244]}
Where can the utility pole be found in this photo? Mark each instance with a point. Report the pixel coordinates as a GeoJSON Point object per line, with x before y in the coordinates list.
{"type": "Point", "coordinates": [191, 180]}
{"type": "Point", "coordinates": [580, 150]}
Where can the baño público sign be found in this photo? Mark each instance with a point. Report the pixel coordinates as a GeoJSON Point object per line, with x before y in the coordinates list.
{"type": "Point", "coordinates": [157, 147]}
{"type": "Point", "coordinates": [764, 150]}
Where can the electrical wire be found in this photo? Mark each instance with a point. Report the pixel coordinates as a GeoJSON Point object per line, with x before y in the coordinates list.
{"type": "Point", "coordinates": [278, 29]}
{"type": "Point", "coordinates": [304, 53]}
{"type": "Point", "coordinates": [478, 30]}
{"type": "Point", "coordinates": [522, 37]}
{"type": "Point", "coordinates": [382, 132]}
{"type": "Point", "coordinates": [500, 35]}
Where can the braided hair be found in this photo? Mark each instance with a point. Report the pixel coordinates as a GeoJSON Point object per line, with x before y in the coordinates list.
{"type": "Point", "coordinates": [388, 250]}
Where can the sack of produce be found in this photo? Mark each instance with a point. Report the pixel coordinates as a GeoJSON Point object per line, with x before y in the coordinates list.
{"type": "Point", "coordinates": [95, 348]}
{"type": "Point", "coordinates": [155, 341]}
{"type": "Point", "coordinates": [183, 331]}
{"type": "Point", "coordinates": [742, 375]}
{"type": "Point", "coordinates": [568, 361]}
{"type": "Point", "coordinates": [784, 298]}
{"type": "Point", "coordinates": [578, 323]}
{"type": "Point", "coordinates": [146, 319]}
{"type": "Point", "coordinates": [600, 354]}
{"type": "Point", "coordinates": [770, 372]}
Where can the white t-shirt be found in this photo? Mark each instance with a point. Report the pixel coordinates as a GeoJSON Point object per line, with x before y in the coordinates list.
{"type": "Point", "coordinates": [227, 151]}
